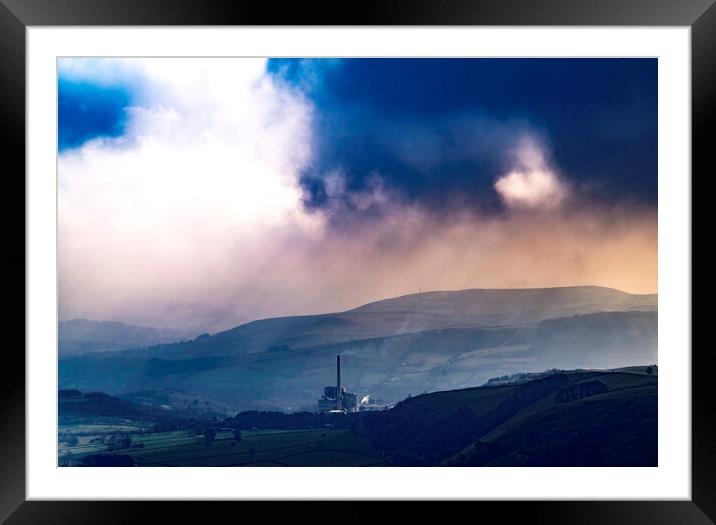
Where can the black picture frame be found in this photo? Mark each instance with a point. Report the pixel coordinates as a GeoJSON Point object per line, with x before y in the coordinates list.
{"type": "Point", "coordinates": [16, 15]}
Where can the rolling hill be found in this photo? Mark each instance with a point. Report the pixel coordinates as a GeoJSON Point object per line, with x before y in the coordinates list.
{"type": "Point", "coordinates": [578, 418]}
{"type": "Point", "coordinates": [406, 345]}
{"type": "Point", "coordinates": [476, 308]}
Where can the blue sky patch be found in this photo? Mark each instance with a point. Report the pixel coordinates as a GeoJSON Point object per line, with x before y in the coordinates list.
{"type": "Point", "coordinates": [87, 111]}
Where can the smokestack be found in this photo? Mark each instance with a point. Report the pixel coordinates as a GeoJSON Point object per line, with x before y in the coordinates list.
{"type": "Point", "coordinates": [339, 395]}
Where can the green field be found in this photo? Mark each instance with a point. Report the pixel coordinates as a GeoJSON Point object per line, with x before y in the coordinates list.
{"type": "Point", "coordinates": [316, 448]}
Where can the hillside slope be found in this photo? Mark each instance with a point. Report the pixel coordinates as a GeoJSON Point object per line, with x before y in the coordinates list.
{"type": "Point", "coordinates": [411, 314]}
{"type": "Point", "coordinates": [284, 363]}
{"type": "Point", "coordinates": [566, 419]}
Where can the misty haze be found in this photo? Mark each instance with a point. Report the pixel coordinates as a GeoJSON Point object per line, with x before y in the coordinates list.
{"type": "Point", "coordinates": [357, 262]}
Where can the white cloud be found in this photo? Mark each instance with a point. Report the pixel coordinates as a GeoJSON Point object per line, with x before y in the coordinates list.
{"type": "Point", "coordinates": [208, 166]}
{"type": "Point", "coordinates": [531, 184]}
{"type": "Point", "coordinates": [100, 71]}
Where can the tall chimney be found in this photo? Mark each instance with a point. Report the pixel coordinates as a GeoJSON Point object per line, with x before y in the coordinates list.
{"type": "Point", "coordinates": [339, 394]}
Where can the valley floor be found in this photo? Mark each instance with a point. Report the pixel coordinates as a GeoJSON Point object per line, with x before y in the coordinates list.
{"type": "Point", "coordinates": [257, 448]}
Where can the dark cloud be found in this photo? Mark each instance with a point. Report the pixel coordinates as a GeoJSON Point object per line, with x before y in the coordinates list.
{"type": "Point", "coordinates": [437, 130]}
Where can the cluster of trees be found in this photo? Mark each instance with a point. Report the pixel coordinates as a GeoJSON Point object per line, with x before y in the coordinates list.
{"type": "Point", "coordinates": [209, 435]}
{"type": "Point", "coordinates": [118, 441]}
{"type": "Point", "coordinates": [580, 391]}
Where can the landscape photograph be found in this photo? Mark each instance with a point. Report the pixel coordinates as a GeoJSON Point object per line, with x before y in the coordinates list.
{"type": "Point", "coordinates": [357, 262]}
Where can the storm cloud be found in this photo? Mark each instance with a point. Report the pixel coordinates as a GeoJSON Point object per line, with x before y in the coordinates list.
{"type": "Point", "coordinates": [238, 189]}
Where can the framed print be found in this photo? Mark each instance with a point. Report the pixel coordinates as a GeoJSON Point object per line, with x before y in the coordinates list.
{"type": "Point", "coordinates": [419, 254]}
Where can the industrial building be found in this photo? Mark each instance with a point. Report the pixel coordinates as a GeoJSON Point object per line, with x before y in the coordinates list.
{"type": "Point", "coordinates": [335, 398]}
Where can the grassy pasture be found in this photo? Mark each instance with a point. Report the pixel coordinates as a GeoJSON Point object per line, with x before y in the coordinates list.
{"type": "Point", "coordinates": [323, 447]}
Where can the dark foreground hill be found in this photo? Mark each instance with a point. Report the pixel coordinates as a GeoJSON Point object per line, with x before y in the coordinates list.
{"type": "Point", "coordinates": [407, 345]}
{"type": "Point", "coordinates": [565, 419]}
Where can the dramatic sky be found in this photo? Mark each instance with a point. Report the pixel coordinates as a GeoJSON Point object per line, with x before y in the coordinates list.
{"type": "Point", "coordinates": [207, 192]}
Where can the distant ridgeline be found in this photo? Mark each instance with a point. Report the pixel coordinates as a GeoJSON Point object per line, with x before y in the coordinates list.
{"type": "Point", "coordinates": [422, 342]}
